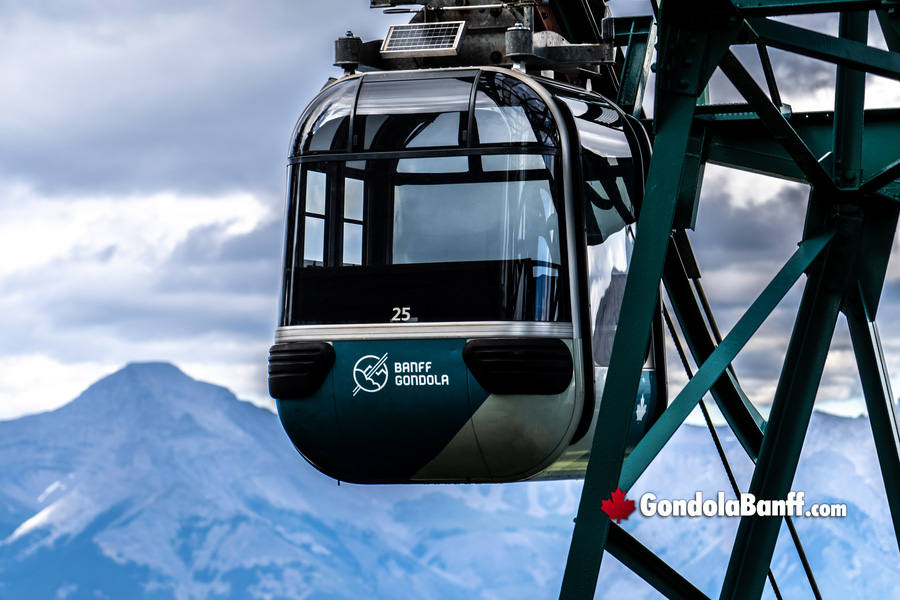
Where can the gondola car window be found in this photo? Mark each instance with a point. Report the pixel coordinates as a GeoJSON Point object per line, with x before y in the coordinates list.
{"type": "Point", "coordinates": [607, 168]}
{"type": "Point", "coordinates": [353, 221]}
{"type": "Point", "coordinates": [516, 220]}
{"type": "Point", "coordinates": [404, 224]}
{"type": "Point", "coordinates": [516, 162]}
{"type": "Point", "coordinates": [314, 221]}
{"type": "Point", "coordinates": [501, 124]}
{"type": "Point", "coordinates": [442, 131]}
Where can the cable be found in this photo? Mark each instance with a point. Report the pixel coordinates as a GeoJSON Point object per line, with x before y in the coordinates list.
{"type": "Point", "coordinates": [718, 337]}
{"type": "Point", "coordinates": [806, 567]}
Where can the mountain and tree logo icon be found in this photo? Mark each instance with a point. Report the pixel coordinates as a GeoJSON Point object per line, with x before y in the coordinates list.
{"type": "Point", "coordinates": [370, 373]}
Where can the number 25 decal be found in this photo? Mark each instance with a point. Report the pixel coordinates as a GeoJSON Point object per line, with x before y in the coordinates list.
{"type": "Point", "coordinates": [400, 314]}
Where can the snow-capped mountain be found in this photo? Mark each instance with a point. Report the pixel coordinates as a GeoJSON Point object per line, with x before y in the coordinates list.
{"type": "Point", "coordinates": [153, 485]}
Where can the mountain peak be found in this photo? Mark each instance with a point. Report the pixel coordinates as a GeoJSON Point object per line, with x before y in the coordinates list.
{"type": "Point", "coordinates": [149, 370]}
{"type": "Point", "coordinates": [147, 390]}
{"type": "Point", "coordinates": [137, 379]}
{"type": "Point", "coordinates": [155, 367]}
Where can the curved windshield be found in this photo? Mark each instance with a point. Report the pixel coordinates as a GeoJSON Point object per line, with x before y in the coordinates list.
{"type": "Point", "coordinates": [426, 239]}
{"type": "Point", "coordinates": [325, 125]}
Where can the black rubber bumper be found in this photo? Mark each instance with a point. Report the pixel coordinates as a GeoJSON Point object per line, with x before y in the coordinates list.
{"type": "Point", "coordinates": [298, 369]}
{"type": "Point", "coordinates": [520, 366]}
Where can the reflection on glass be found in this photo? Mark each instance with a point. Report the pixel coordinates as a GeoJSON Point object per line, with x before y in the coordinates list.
{"type": "Point", "coordinates": [326, 124]}
{"type": "Point", "coordinates": [458, 222]}
{"type": "Point", "coordinates": [352, 244]}
{"type": "Point", "coordinates": [315, 192]}
{"type": "Point", "coordinates": [607, 271]}
{"type": "Point", "coordinates": [502, 124]}
{"type": "Point", "coordinates": [422, 113]}
{"type": "Point", "coordinates": [448, 223]}
{"type": "Point", "coordinates": [593, 111]}
{"type": "Point", "coordinates": [414, 96]}
{"type": "Point", "coordinates": [314, 241]}
{"type": "Point", "coordinates": [448, 164]}
{"type": "Point", "coordinates": [372, 125]}
{"type": "Point", "coordinates": [515, 162]}
{"type": "Point", "coordinates": [508, 111]}
{"type": "Point", "coordinates": [443, 131]}
{"type": "Point", "coordinates": [420, 130]}
{"type": "Point", "coordinates": [607, 190]}
{"type": "Point", "coordinates": [353, 199]}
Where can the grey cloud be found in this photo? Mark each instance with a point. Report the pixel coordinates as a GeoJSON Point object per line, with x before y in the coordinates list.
{"type": "Point", "coordinates": [114, 98]}
{"type": "Point", "coordinates": [801, 76]}
{"type": "Point", "coordinates": [263, 243]}
{"type": "Point", "coordinates": [208, 243]}
{"type": "Point", "coordinates": [210, 260]}
{"type": "Point", "coordinates": [148, 318]}
{"type": "Point", "coordinates": [732, 236]}
{"type": "Point", "coordinates": [212, 283]}
{"type": "Point", "coordinates": [66, 313]}
{"type": "Point", "coordinates": [103, 99]}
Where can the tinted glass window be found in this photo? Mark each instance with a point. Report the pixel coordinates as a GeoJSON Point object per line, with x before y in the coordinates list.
{"type": "Point", "coordinates": [462, 221]}
{"type": "Point", "coordinates": [483, 243]}
{"type": "Point", "coordinates": [607, 268]}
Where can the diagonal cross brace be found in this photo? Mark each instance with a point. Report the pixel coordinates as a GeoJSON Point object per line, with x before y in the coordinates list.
{"type": "Point", "coordinates": [650, 567]}
{"type": "Point", "coordinates": [676, 97]}
{"type": "Point", "coordinates": [849, 53]}
{"type": "Point", "coordinates": [718, 361]}
{"type": "Point", "coordinates": [775, 122]}
{"type": "Point", "coordinates": [879, 399]}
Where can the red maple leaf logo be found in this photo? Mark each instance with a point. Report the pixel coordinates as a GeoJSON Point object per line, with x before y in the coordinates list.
{"type": "Point", "coordinates": [618, 507]}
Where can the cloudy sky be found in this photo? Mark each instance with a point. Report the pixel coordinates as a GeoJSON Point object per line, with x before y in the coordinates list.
{"type": "Point", "coordinates": [142, 153]}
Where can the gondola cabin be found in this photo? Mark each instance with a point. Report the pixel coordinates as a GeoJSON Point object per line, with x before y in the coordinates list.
{"type": "Point", "coordinates": [457, 242]}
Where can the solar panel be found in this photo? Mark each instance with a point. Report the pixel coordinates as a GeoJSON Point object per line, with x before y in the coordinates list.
{"type": "Point", "coordinates": [424, 39]}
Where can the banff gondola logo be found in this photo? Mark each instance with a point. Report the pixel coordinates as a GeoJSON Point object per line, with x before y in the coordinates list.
{"type": "Point", "coordinates": [371, 373]}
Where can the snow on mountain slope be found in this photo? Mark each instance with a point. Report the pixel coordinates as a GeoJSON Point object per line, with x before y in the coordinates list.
{"type": "Point", "coordinates": [153, 485]}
